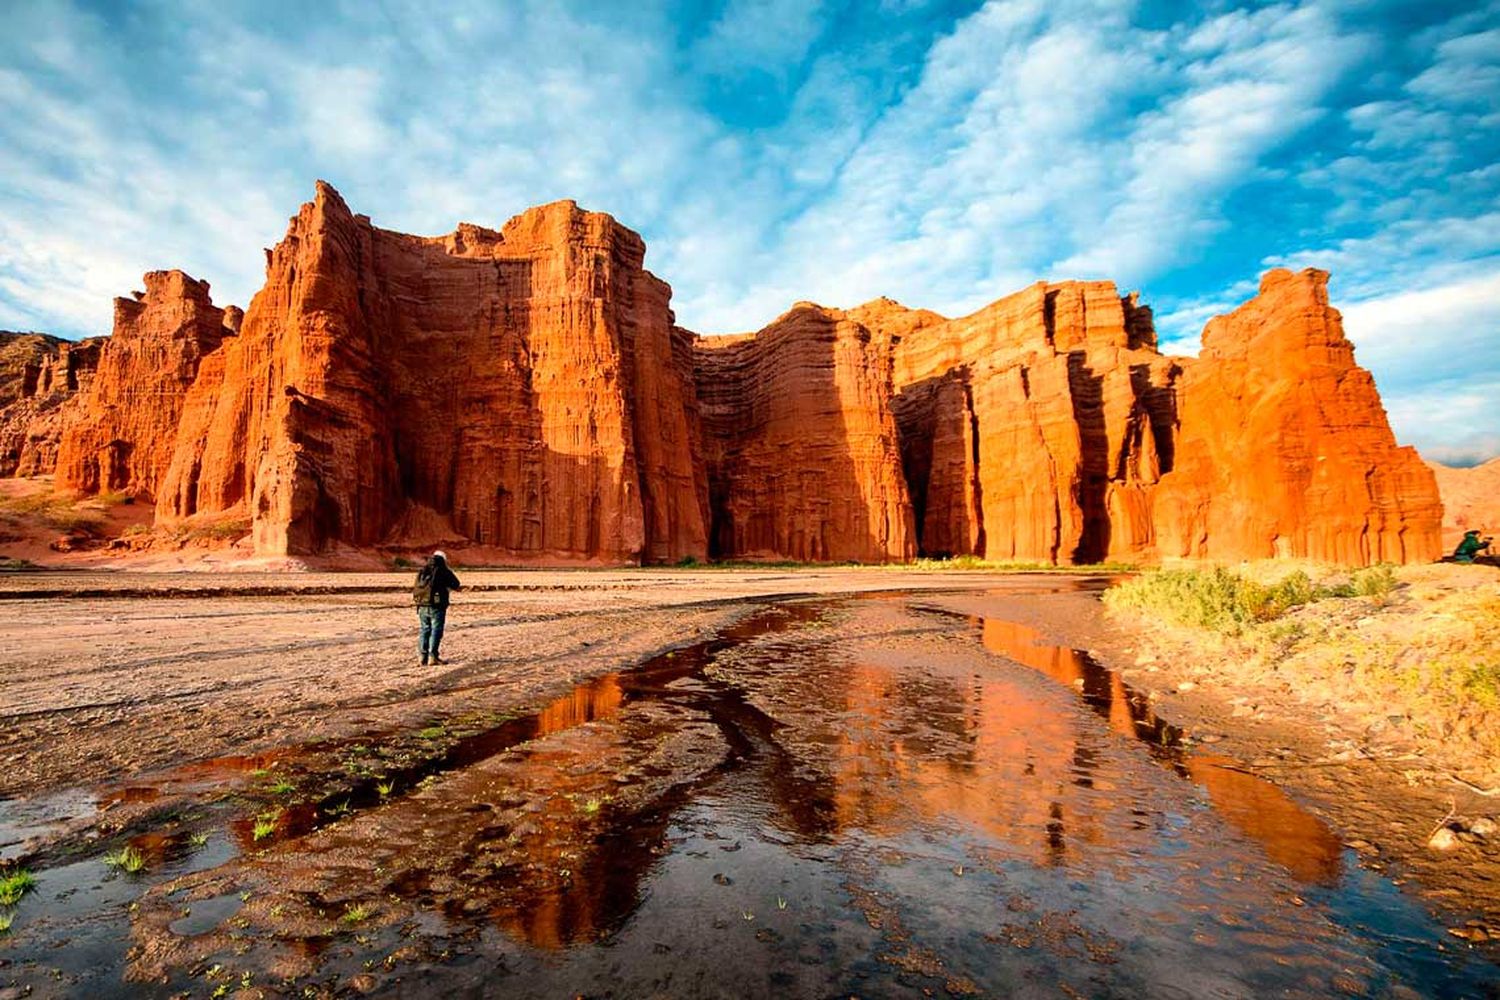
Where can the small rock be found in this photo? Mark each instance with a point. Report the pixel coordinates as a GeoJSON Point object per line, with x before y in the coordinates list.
{"type": "Point", "coordinates": [364, 982]}
{"type": "Point", "coordinates": [1444, 840]}
{"type": "Point", "coordinates": [1240, 711]}
{"type": "Point", "coordinates": [1210, 738]}
{"type": "Point", "coordinates": [1484, 827]}
{"type": "Point", "coordinates": [1144, 659]}
{"type": "Point", "coordinates": [1186, 686]}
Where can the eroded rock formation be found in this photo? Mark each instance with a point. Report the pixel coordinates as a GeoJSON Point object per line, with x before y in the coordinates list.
{"type": "Point", "coordinates": [1284, 449]}
{"type": "Point", "coordinates": [121, 439]}
{"type": "Point", "coordinates": [525, 393]}
{"type": "Point", "coordinates": [41, 380]}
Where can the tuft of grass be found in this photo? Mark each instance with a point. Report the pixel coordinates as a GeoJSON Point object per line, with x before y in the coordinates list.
{"type": "Point", "coordinates": [282, 786]}
{"type": "Point", "coordinates": [198, 839]}
{"type": "Point", "coordinates": [264, 827]}
{"type": "Point", "coordinates": [385, 788]}
{"type": "Point", "coordinates": [1378, 582]}
{"type": "Point", "coordinates": [6, 919]}
{"type": "Point", "coordinates": [14, 885]}
{"type": "Point", "coordinates": [127, 859]}
{"type": "Point", "coordinates": [591, 806]}
{"type": "Point", "coordinates": [357, 913]}
{"type": "Point", "coordinates": [432, 733]}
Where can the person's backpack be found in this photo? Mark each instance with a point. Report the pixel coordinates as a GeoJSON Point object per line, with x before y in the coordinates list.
{"type": "Point", "coordinates": [421, 591]}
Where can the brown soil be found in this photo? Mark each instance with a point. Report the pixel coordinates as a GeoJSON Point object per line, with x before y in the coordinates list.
{"type": "Point", "coordinates": [162, 692]}
{"type": "Point", "coordinates": [1384, 791]}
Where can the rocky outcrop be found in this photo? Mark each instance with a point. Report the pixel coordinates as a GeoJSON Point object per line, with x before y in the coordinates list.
{"type": "Point", "coordinates": [523, 390]}
{"type": "Point", "coordinates": [1046, 416]}
{"type": "Point", "coordinates": [40, 376]}
{"type": "Point", "coordinates": [801, 444]}
{"type": "Point", "coordinates": [122, 437]}
{"type": "Point", "coordinates": [1284, 448]}
{"type": "Point", "coordinates": [524, 394]}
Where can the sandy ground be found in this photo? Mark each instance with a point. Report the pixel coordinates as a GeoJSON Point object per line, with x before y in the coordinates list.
{"type": "Point", "coordinates": [113, 679]}
{"type": "Point", "coordinates": [113, 674]}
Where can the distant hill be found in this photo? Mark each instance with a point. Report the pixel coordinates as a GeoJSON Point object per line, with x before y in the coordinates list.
{"type": "Point", "coordinates": [1471, 499]}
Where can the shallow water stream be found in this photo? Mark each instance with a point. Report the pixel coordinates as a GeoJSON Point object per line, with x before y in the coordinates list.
{"type": "Point", "coordinates": [881, 795]}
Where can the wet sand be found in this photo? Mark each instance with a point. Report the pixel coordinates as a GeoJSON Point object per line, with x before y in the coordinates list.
{"type": "Point", "coordinates": [860, 782]}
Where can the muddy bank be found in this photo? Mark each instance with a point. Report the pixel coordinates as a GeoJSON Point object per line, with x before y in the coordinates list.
{"type": "Point", "coordinates": [883, 794]}
{"type": "Point", "coordinates": [1383, 788]}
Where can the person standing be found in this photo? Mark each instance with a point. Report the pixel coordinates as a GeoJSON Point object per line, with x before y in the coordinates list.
{"type": "Point", "coordinates": [434, 581]}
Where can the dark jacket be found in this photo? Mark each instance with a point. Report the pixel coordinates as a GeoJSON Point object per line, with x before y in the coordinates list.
{"type": "Point", "coordinates": [443, 581]}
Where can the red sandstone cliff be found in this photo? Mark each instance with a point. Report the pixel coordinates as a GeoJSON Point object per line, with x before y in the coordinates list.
{"type": "Point", "coordinates": [802, 451]}
{"type": "Point", "coordinates": [524, 392]}
{"type": "Point", "coordinates": [1284, 448]}
{"type": "Point", "coordinates": [122, 437]}
{"type": "Point", "coordinates": [41, 380]}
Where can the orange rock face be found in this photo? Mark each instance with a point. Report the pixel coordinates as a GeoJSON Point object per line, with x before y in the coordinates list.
{"type": "Point", "coordinates": [524, 394]}
{"type": "Point", "coordinates": [522, 390]}
{"type": "Point", "coordinates": [801, 444]}
{"type": "Point", "coordinates": [41, 379]}
{"type": "Point", "coordinates": [122, 437]}
{"type": "Point", "coordinates": [1284, 449]}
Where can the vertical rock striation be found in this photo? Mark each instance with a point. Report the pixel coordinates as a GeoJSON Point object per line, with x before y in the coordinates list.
{"type": "Point", "coordinates": [802, 454]}
{"type": "Point", "coordinates": [523, 390]}
{"type": "Point", "coordinates": [122, 437]}
{"type": "Point", "coordinates": [1284, 448]}
{"type": "Point", "coordinates": [524, 393]}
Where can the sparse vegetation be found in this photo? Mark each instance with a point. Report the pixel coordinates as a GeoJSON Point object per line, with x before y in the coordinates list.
{"type": "Point", "coordinates": [357, 913]}
{"type": "Point", "coordinates": [6, 919]}
{"type": "Point", "coordinates": [265, 825]}
{"type": "Point", "coordinates": [14, 885]}
{"type": "Point", "coordinates": [217, 530]}
{"type": "Point", "coordinates": [281, 786]}
{"type": "Point", "coordinates": [198, 839]}
{"type": "Point", "coordinates": [1416, 647]}
{"type": "Point", "coordinates": [385, 788]}
{"type": "Point", "coordinates": [127, 859]}
{"type": "Point", "coordinates": [1229, 603]}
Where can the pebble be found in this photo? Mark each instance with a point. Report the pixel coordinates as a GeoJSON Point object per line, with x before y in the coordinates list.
{"type": "Point", "coordinates": [1444, 840]}
{"type": "Point", "coordinates": [1484, 827]}
{"type": "Point", "coordinates": [1186, 686]}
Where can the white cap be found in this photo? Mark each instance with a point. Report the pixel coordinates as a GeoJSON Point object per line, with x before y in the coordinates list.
{"type": "Point", "coordinates": [440, 554]}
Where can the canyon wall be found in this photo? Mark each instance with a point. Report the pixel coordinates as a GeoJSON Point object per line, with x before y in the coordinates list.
{"type": "Point", "coordinates": [524, 394]}
{"type": "Point", "coordinates": [42, 382]}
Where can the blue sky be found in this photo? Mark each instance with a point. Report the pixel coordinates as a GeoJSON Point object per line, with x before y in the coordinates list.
{"type": "Point", "coordinates": [941, 153]}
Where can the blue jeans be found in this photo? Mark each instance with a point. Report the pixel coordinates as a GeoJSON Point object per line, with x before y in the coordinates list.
{"type": "Point", "coordinates": [430, 633]}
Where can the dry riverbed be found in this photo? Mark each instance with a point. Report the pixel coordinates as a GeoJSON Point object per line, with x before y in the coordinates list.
{"type": "Point", "coordinates": [770, 782]}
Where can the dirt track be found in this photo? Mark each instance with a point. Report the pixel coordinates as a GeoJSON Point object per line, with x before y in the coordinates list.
{"type": "Point", "coordinates": [139, 670]}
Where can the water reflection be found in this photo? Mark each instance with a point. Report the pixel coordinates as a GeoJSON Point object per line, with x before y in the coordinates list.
{"type": "Point", "coordinates": [1290, 836]}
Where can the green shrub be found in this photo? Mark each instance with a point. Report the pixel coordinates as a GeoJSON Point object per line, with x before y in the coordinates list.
{"type": "Point", "coordinates": [1215, 599]}
{"type": "Point", "coordinates": [1376, 581]}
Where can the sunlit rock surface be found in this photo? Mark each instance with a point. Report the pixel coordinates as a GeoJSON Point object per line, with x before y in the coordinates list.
{"type": "Point", "coordinates": [525, 395]}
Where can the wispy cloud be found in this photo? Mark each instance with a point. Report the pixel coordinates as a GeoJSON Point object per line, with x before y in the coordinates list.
{"type": "Point", "coordinates": [941, 153]}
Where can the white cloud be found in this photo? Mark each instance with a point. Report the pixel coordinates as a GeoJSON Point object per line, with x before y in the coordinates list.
{"type": "Point", "coordinates": [1030, 139]}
